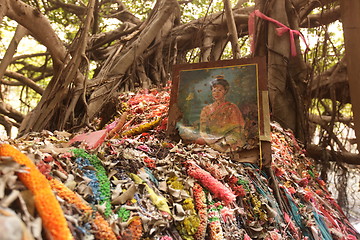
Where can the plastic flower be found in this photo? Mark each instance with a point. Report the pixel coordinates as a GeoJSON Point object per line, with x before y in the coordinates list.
{"type": "Point", "coordinates": [45, 201]}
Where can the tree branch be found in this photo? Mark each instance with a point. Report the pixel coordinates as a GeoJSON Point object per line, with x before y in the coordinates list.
{"type": "Point", "coordinates": [122, 62]}
{"type": "Point", "coordinates": [9, 111]}
{"type": "Point", "coordinates": [334, 77]}
{"type": "Point", "coordinates": [321, 19]}
{"type": "Point", "coordinates": [10, 51]}
{"type": "Point", "coordinates": [123, 14]}
{"type": "Point", "coordinates": [232, 29]}
{"type": "Point", "coordinates": [27, 81]}
{"type": "Point", "coordinates": [16, 58]}
{"type": "Point", "coordinates": [322, 120]}
{"type": "Point", "coordinates": [6, 123]}
{"type": "Point", "coordinates": [319, 153]}
{"type": "Point", "coordinates": [29, 67]}
{"type": "Point", "coordinates": [39, 27]}
{"type": "Point", "coordinates": [72, 8]}
{"type": "Point", "coordinates": [106, 38]}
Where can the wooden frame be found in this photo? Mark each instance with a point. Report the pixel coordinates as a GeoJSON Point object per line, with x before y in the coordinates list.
{"type": "Point", "coordinates": [192, 91]}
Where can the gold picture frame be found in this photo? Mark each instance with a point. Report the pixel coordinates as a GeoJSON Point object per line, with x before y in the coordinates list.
{"type": "Point", "coordinates": [194, 106]}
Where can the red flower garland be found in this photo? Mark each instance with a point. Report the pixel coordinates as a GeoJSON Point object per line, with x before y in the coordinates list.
{"type": "Point", "coordinates": [213, 185]}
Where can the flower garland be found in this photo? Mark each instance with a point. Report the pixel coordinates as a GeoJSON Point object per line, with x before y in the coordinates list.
{"type": "Point", "coordinates": [236, 186]}
{"type": "Point", "coordinates": [256, 205]}
{"type": "Point", "coordinates": [200, 204]}
{"type": "Point", "coordinates": [306, 193]}
{"type": "Point", "coordinates": [159, 201]}
{"type": "Point", "coordinates": [215, 170]}
{"type": "Point", "coordinates": [142, 128]}
{"type": "Point", "coordinates": [134, 231]}
{"type": "Point", "coordinates": [216, 232]}
{"type": "Point", "coordinates": [100, 225]}
{"type": "Point", "coordinates": [45, 201]}
{"type": "Point", "coordinates": [83, 165]}
{"type": "Point", "coordinates": [189, 226]}
{"type": "Point", "coordinates": [215, 186]}
{"type": "Point", "coordinates": [123, 214]}
{"type": "Point", "coordinates": [104, 183]}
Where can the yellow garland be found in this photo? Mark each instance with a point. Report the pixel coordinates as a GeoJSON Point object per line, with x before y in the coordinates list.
{"type": "Point", "coordinates": [101, 226]}
{"type": "Point", "coordinates": [142, 128]}
{"type": "Point", "coordinates": [175, 183]}
{"type": "Point", "coordinates": [189, 225]}
{"type": "Point", "coordinates": [45, 201]}
{"type": "Point", "coordinates": [159, 201]}
{"type": "Point", "coordinates": [257, 208]}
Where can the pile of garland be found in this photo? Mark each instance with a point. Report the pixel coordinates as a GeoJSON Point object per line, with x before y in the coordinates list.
{"type": "Point", "coordinates": [141, 185]}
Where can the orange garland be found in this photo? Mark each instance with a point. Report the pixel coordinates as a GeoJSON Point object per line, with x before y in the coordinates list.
{"type": "Point", "coordinates": [200, 204]}
{"type": "Point", "coordinates": [103, 230]}
{"type": "Point", "coordinates": [134, 230]}
{"type": "Point", "coordinates": [45, 201]}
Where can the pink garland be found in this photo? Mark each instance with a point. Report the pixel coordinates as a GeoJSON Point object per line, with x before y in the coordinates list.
{"type": "Point", "coordinates": [212, 184]}
{"type": "Point", "coordinates": [166, 238]}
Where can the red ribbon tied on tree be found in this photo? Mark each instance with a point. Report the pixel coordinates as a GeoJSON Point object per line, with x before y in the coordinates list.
{"type": "Point", "coordinates": [280, 30]}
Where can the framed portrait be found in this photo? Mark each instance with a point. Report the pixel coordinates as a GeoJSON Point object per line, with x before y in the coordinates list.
{"type": "Point", "coordinates": [223, 104]}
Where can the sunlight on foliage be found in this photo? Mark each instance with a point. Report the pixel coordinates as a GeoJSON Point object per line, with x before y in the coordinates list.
{"type": "Point", "coordinates": [140, 8]}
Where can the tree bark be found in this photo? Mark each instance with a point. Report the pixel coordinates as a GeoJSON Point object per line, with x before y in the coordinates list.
{"type": "Point", "coordinates": [351, 25]}
{"type": "Point", "coordinates": [4, 7]}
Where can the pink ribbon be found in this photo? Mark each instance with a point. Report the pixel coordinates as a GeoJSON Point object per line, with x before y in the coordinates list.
{"type": "Point", "coordinates": [280, 30]}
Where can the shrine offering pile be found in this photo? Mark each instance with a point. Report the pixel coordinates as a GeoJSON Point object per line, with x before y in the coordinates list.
{"type": "Point", "coordinates": [137, 184]}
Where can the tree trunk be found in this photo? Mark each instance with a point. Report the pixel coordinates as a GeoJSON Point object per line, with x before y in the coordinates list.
{"type": "Point", "coordinates": [281, 100]}
{"type": "Point", "coordinates": [111, 75]}
{"type": "Point", "coordinates": [351, 25]}
{"type": "Point", "coordinates": [232, 29]}
{"type": "Point", "coordinates": [69, 82]}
